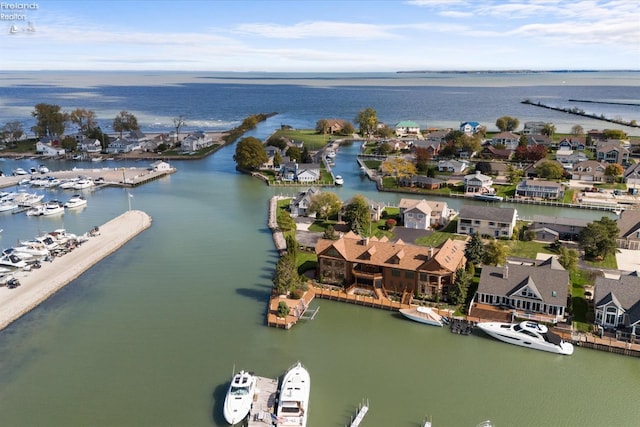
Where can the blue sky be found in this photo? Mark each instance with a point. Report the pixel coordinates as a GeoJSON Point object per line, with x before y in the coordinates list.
{"type": "Point", "coordinates": [314, 36]}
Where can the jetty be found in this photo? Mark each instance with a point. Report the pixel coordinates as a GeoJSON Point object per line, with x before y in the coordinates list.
{"type": "Point", "coordinates": [39, 284]}
{"type": "Point", "coordinates": [362, 411]}
{"type": "Point", "coordinates": [264, 401]}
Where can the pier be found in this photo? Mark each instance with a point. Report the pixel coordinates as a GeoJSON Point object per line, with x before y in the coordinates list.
{"type": "Point", "coordinates": [362, 411]}
{"type": "Point", "coordinates": [264, 402]}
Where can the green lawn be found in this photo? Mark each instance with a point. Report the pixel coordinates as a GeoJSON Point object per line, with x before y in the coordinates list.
{"type": "Point", "coordinates": [609, 262]}
{"type": "Point", "coordinates": [373, 164]}
{"type": "Point", "coordinates": [519, 248]}
{"type": "Point", "coordinates": [319, 226]}
{"type": "Point", "coordinates": [312, 139]}
{"type": "Point", "coordinates": [306, 261]}
{"type": "Point", "coordinates": [437, 238]}
{"type": "Point", "coordinates": [568, 195]}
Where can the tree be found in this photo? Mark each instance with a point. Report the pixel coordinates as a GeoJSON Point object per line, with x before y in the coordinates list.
{"type": "Point", "coordinates": [279, 142]}
{"type": "Point", "coordinates": [12, 131]}
{"type": "Point", "coordinates": [614, 134]}
{"type": "Point", "coordinates": [548, 130]}
{"type": "Point", "coordinates": [277, 160]}
{"type": "Point", "coordinates": [598, 238]}
{"type": "Point", "coordinates": [50, 120]}
{"type": "Point", "coordinates": [325, 204]}
{"type": "Point", "coordinates": [250, 153]}
{"type": "Point", "coordinates": [550, 169]}
{"type": "Point", "coordinates": [523, 141]}
{"type": "Point", "coordinates": [178, 123]}
{"type": "Point", "coordinates": [495, 253]}
{"type": "Point", "coordinates": [385, 132]}
{"type": "Point", "coordinates": [322, 126]}
{"type": "Point", "coordinates": [458, 292]}
{"type": "Point", "coordinates": [483, 168]}
{"type": "Point", "coordinates": [507, 123]}
{"type": "Point", "coordinates": [347, 129]}
{"type": "Point", "coordinates": [330, 233]}
{"type": "Point", "coordinates": [612, 171]}
{"type": "Point", "coordinates": [514, 174]}
{"type": "Point", "coordinates": [398, 167]}
{"type": "Point", "coordinates": [305, 156]}
{"type": "Point", "coordinates": [367, 119]}
{"type": "Point", "coordinates": [390, 223]}
{"type": "Point", "coordinates": [286, 277]}
{"type": "Point", "coordinates": [577, 130]}
{"type": "Point", "coordinates": [85, 120]}
{"type": "Point", "coordinates": [125, 122]}
{"type": "Point", "coordinates": [96, 133]}
{"type": "Point", "coordinates": [474, 249]}
{"type": "Point", "coordinates": [357, 215]}
{"type": "Point", "coordinates": [283, 309]}
{"type": "Point", "coordinates": [423, 156]}
{"type": "Point", "coordinates": [384, 148]}
{"type": "Point", "coordinates": [69, 143]}
{"type": "Point", "coordinates": [294, 153]}
{"type": "Point", "coordinates": [568, 258]}
{"type": "Point", "coordinates": [284, 220]}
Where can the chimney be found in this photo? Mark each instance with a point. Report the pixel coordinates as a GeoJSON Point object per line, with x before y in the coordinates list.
{"type": "Point", "coordinates": [505, 272]}
{"type": "Point", "coordinates": [431, 252]}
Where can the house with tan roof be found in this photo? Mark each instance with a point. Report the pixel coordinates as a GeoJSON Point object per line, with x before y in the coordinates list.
{"type": "Point", "coordinates": [509, 140]}
{"type": "Point", "coordinates": [629, 226]}
{"type": "Point", "coordinates": [423, 214]}
{"type": "Point", "coordinates": [386, 267]}
{"type": "Point", "coordinates": [612, 152]}
{"type": "Point", "coordinates": [589, 170]}
{"type": "Point", "coordinates": [490, 221]}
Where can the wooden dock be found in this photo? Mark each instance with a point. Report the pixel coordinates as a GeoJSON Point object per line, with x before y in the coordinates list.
{"type": "Point", "coordinates": [264, 403]}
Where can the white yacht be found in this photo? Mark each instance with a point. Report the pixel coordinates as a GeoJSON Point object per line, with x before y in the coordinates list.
{"type": "Point", "coordinates": [43, 169]}
{"type": "Point", "coordinates": [33, 248]}
{"type": "Point", "coordinates": [83, 183]}
{"type": "Point", "coordinates": [76, 201]}
{"type": "Point", "coordinates": [13, 251]}
{"type": "Point", "coordinates": [60, 236]}
{"type": "Point", "coordinates": [527, 334]}
{"type": "Point", "coordinates": [426, 315]}
{"type": "Point", "coordinates": [293, 404]}
{"type": "Point", "coordinates": [8, 206]}
{"type": "Point", "coordinates": [25, 199]}
{"type": "Point", "coordinates": [237, 403]}
{"type": "Point", "coordinates": [68, 183]}
{"type": "Point", "coordinates": [12, 261]}
{"type": "Point", "coordinates": [20, 171]}
{"type": "Point", "coordinates": [35, 210]}
{"type": "Point", "coordinates": [53, 207]}
{"type": "Point", "coordinates": [339, 180]}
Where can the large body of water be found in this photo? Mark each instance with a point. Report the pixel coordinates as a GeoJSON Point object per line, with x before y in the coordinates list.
{"type": "Point", "coordinates": [150, 336]}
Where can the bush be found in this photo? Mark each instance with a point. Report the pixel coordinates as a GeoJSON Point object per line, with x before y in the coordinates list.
{"type": "Point", "coordinates": [297, 293]}
{"type": "Point", "coordinates": [390, 223]}
{"type": "Point", "coordinates": [283, 309]}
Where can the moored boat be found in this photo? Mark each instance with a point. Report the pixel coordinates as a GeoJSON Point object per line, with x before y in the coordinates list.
{"type": "Point", "coordinates": [488, 197]}
{"type": "Point", "coordinates": [12, 261]}
{"type": "Point", "coordinates": [237, 403]}
{"type": "Point", "coordinates": [339, 180]}
{"type": "Point", "coordinates": [527, 334]}
{"type": "Point", "coordinates": [293, 404]}
{"type": "Point", "coordinates": [53, 207]}
{"type": "Point", "coordinates": [426, 315]}
{"type": "Point", "coordinates": [75, 201]}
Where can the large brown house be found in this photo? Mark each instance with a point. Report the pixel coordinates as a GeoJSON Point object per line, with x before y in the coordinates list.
{"type": "Point", "coordinates": [390, 267]}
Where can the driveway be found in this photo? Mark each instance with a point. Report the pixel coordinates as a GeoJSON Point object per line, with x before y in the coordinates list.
{"type": "Point", "coordinates": [628, 260]}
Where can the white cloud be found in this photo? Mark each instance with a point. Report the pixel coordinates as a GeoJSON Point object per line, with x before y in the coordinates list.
{"type": "Point", "coordinates": [455, 14]}
{"type": "Point", "coordinates": [319, 29]}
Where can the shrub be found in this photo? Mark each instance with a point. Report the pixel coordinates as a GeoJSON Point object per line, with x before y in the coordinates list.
{"type": "Point", "coordinates": [297, 293]}
{"type": "Point", "coordinates": [390, 223]}
{"type": "Point", "coordinates": [283, 309]}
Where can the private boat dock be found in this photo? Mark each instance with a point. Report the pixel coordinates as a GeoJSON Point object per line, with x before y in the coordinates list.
{"type": "Point", "coordinates": [264, 402]}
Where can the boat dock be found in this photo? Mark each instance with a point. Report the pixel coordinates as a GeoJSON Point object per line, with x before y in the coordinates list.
{"type": "Point", "coordinates": [264, 402]}
{"type": "Point", "coordinates": [362, 411]}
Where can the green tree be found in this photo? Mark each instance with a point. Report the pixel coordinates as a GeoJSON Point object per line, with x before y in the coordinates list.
{"type": "Point", "coordinates": [458, 292]}
{"type": "Point", "coordinates": [12, 131]}
{"type": "Point", "coordinates": [357, 215]}
{"type": "Point", "coordinates": [347, 129]}
{"type": "Point", "coordinates": [598, 238]}
{"type": "Point", "coordinates": [305, 156]}
{"type": "Point", "coordinates": [330, 233]}
{"type": "Point", "coordinates": [577, 130]}
{"type": "Point", "coordinates": [250, 153]}
{"type": "Point", "coordinates": [96, 133]}
{"type": "Point", "coordinates": [549, 130]}
{"type": "Point", "coordinates": [292, 247]}
{"type": "Point", "coordinates": [612, 171]}
{"type": "Point", "coordinates": [384, 149]}
{"type": "Point", "coordinates": [367, 119]}
{"type": "Point", "coordinates": [277, 141]}
{"type": "Point", "coordinates": [385, 132]}
{"type": "Point", "coordinates": [523, 141]}
{"type": "Point", "coordinates": [507, 123]}
{"type": "Point", "coordinates": [514, 174]}
{"type": "Point", "coordinates": [50, 121]}
{"type": "Point", "coordinates": [284, 220]}
{"type": "Point", "coordinates": [322, 126]}
{"type": "Point", "coordinates": [69, 143]}
{"type": "Point", "coordinates": [325, 204]}
{"type": "Point", "coordinates": [286, 277]}
{"type": "Point", "coordinates": [495, 253]}
{"type": "Point", "coordinates": [277, 160]}
{"type": "Point", "coordinates": [614, 134]}
{"type": "Point", "coordinates": [85, 119]}
{"type": "Point", "coordinates": [474, 249]}
{"type": "Point", "coordinates": [125, 122]}
{"type": "Point", "coordinates": [550, 169]}
{"type": "Point", "coordinates": [283, 309]}
{"type": "Point", "coordinates": [568, 258]}
{"type": "Point", "coordinates": [294, 153]}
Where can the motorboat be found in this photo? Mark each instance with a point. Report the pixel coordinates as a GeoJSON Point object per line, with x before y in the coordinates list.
{"type": "Point", "coordinates": [35, 210]}
{"type": "Point", "coordinates": [13, 251]}
{"type": "Point", "coordinates": [69, 183]}
{"type": "Point", "coordinates": [488, 197]}
{"type": "Point", "coordinates": [25, 199]}
{"type": "Point", "coordinates": [9, 205]}
{"type": "Point", "coordinates": [75, 201]}
{"type": "Point", "coordinates": [47, 241]}
{"type": "Point", "coordinates": [60, 236]}
{"type": "Point", "coordinates": [12, 261]}
{"type": "Point", "coordinates": [339, 180]}
{"type": "Point", "coordinates": [293, 403]}
{"type": "Point", "coordinates": [426, 315]}
{"type": "Point", "coordinates": [237, 403]}
{"type": "Point", "coordinates": [33, 248]}
{"type": "Point", "coordinates": [527, 334]}
{"type": "Point", "coordinates": [53, 207]}
{"type": "Point", "coordinates": [83, 183]}
{"type": "Point", "coordinates": [43, 169]}
{"type": "Point", "coordinates": [20, 171]}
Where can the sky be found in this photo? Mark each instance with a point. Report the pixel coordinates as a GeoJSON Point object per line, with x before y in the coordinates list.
{"type": "Point", "coordinates": [319, 36]}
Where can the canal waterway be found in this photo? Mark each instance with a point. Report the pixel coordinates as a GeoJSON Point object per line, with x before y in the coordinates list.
{"type": "Point", "coordinates": [151, 335]}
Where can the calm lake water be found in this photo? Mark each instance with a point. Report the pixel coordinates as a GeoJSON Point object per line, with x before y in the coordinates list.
{"type": "Point", "coordinates": [151, 335]}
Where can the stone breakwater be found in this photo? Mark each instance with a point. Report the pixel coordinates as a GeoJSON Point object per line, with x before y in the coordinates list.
{"type": "Point", "coordinates": [39, 284]}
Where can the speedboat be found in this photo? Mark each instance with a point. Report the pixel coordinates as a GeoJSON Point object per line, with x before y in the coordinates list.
{"type": "Point", "coordinates": [35, 210]}
{"type": "Point", "coordinates": [13, 251]}
{"type": "Point", "coordinates": [7, 206]}
{"type": "Point", "coordinates": [46, 241]}
{"type": "Point", "coordinates": [339, 180]}
{"type": "Point", "coordinates": [68, 183]}
{"type": "Point", "coordinates": [60, 236]}
{"type": "Point", "coordinates": [53, 207]}
{"type": "Point", "coordinates": [488, 197]}
{"type": "Point", "coordinates": [81, 184]}
{"type": "Point", "coordinates": [426, 315]}
{"type": "Point", "coordinates": [32, 248]}
{"type": "Point", "coordinates": [12, 261]}
{"type": "Point", "coordinates": [43, 169]}
{"type": "Point", "coordinates": [293, 404]}
{"type": "Point", "coordinates": [20, 171]}
{"type": "Point", "coordinates": [527, 334]}
{"type": "Point", "coordinates": [75, 201]}
{"type": "Point", "coordinates": [25, 199]}
{"type": "Point", "coordinates": [239, 398]}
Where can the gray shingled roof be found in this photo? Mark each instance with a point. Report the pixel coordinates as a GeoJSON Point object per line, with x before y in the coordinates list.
{"type": "Point", "coordinates": [487, 213]}
{"type": "Point", "coordinates": [624, 292]}
{"type": "Point", "coordinates": [560, 220]}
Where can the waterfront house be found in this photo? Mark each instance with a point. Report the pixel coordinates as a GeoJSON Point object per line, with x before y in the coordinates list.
{"type": "Point", "coordinates": [612, 152]}
{"type": "Point", "coordinates": [569, 158]}
{"type": "Point", "coordinates": [552, 228]}
{"type": "Point", "coordinates": [540, 189]}
{"type": "Point", "coordinates": [478, 183]}
{"type": "Point", "coordinates": [508, 140]}
{"type": "Point", "coordinates": [421, 181]}
{"type": "Point", "coordinates": [573, 143]}
{"type": "Point", "coordinates": [629, 226]}
{"type": "Point", "coordinates": [119, 146]}
{"type": "Point", "coordinates": [493, 153]}
{"type": "Point", "coordinates": [406, 128]}
{"type": "Point", "coordinates": [536, 139]}
{"type": "Point", "coordinates": [617, 304]}
{"type": "Point", "coordinates": [160, 166]}
{"type": "Point", "coordinates": [469, 127]}
{"type": "Point", "coordinates": [533, 128]}
{"type": "Point", "coordinates": [48, 149]}
{"type": "Point", "coordinates": [375, 209]}
{"type": "Point", "coordinates": [453, 166]}
{"type": "Point", "coordinates": [589, 170]}
{"type": "Point", "coordinates": [335, 125]}
{"type": "Point", "coordinates": [489, 221]}
{"type": "Point", "coordinates": [89, 145]}
{"type": "Point", "coordinates": [423, 214]}
{"type": "Point", "coordinates": [632, 176]}
{"type": "Point", "coordinates": [195, 141]}
{"type": "Point", "coordinates": [385, 267]}
{"type": "Point", "coordinates": [300, 172]}
{"type": "Point", "coordinates": [432, 147]}
{"type": "Point", "coordinates": [299, 205]}
{"type": "Point", "coordinates": [529, 291]}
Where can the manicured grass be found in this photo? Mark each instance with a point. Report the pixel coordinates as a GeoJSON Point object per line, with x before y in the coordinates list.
{"type": "Point", "coordinates": [373, 164]}
{"type": "Point", "coordinates": [306, 261]}
{"type": "Point", "coordinates": [609, 262]}
{"type": "Point", "coordinates": [283, 203]}
{"type": "Point", "coordinates": [568, 195]}
{"type": "Point", "coordinates": [319, 226]}
{"type": "Point", "coordinates": [519, 248]}
{"type": "Point", "coordinates": [437, 238]}
{"type": "Point", "coordinates": [311, 139]}
{"type": "Point", "coordinates": [506, 190]}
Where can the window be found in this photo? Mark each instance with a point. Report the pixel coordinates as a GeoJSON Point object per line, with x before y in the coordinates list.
{"type": "Point", "coordinates": [420, 216]}
{"type": "Point", "coordinates": [395, 272]}
{"type": "Point", "coordinates": [409, 215]}
{"type": "Point", "coordinates": [409, 274]}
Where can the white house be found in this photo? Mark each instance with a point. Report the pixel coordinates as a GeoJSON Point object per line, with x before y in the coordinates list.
{"type": "Point", "coordinates": [454, 166]}
{"type": "Point", "coordinates": [161, 166]}
{"type": "Point", "coordinates": [478, 183]}
{"type": "Point", "coordinates": [122, 146]}
{"type": "Point", "coordinates": [407, 127]}
{"type": "Point", "coordinates": [469, 127]}
{"type": "Point", "coordinates": [196, 141]}
{"type": "Point", "coordinates": [508, 139]}
{"type": "Point", "coordinates": [48, 149]}
{"type": "Point", "coordinates": [89, 145]}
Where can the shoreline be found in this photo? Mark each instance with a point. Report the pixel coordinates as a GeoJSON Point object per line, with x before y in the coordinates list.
{"type": "Point", "coordinates": [37, 285]}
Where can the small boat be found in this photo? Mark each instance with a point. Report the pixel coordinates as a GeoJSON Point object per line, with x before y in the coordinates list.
{"type": "Point", "coordinates": [237, 403]}
{"type": "Point", "coordinates": [527, 334]}
{"type": "Point", "coordinates": [28, 199]}
{"type": "Point", "coordinates": [293, 403]}
{"type": "Point", "coordinates": [96, 159]}
{"type": "Point", "coordinates": [82, 184]}
{"type": "Point", "coordinates": [339, 180]}
{"type": "Point", "coordinates": [8, 206]}
{"type": "Point", "coordinates": [20, 171]}
{"type": "Point", "coordinates": [488, 197]}
{"type": "Point", "coordinates": [43, 169]}
{"type": "Point", "coordinates": [32, 248]}
{"type": "Point", "coordinates": [13, 251]}
{"type": "Point", "coordinates": [75, 201]}
{"type": "Point", "coordinates": [426, 315]}
{"type": "Point", "coordinates": [12, 261]}
{"type": "Point", "coordinates": [53, 207]}
{"type": "Point", "coordinates": [45, 241]}
{"type": "Point", "coordinates": [331, 154]}
{"type": "Point", "coordinates": [35, 210]}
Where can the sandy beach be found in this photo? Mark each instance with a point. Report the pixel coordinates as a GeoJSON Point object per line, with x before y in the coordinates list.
{"type": "Point", "coordinates": [38, 284]}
